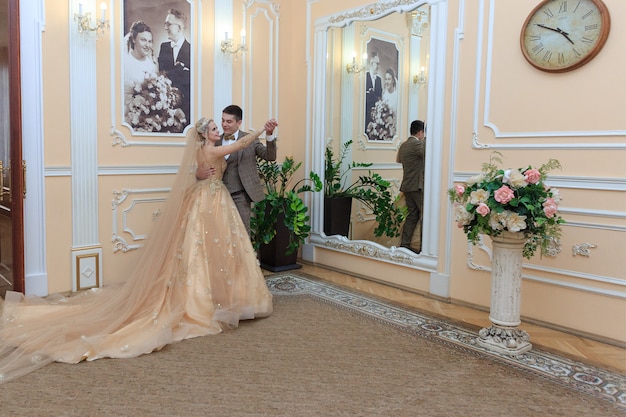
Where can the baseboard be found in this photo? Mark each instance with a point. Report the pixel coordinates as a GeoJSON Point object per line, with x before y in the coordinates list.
{"type": "Point", "coordinates": [551, 326]}
{"type": "Point", "coordinates": [36, 284]}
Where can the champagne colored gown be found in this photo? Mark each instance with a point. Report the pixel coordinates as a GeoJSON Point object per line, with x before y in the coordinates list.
{"type": "Point", "coordinates": [199, 280]}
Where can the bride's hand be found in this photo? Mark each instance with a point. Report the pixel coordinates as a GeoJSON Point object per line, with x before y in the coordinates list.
{"type": "Point", "coordinates": [270, 125]}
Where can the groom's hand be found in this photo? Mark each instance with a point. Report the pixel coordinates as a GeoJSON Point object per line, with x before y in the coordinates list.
{"type": "Point", "coordinates": [204, 172]}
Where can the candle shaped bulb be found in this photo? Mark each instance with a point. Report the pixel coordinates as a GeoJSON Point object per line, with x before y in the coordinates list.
{"type": "Point", "coordinates": [354, 58]}
{"type": "Point", "coordinates": [364, 56]}
{"type": "Point", "coordinates": [422, 71]}
{"type": "Point", "coordinates": [226, 34]}
{"type": "Point", "coordinates": [243, 36]}
{"type": "Point", "coordinates": [103, 11]}
{"type": "Point", "coordinates": [80, 9]}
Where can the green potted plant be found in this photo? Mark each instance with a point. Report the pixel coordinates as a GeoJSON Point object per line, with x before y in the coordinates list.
{"type": "Point", "coordinates": [280, 222]}
{"type": "Point", "coordinates": [371, 189]}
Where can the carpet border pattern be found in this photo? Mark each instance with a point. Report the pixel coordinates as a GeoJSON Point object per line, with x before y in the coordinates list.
{"type": "Point", "coordinates": [598, 382]}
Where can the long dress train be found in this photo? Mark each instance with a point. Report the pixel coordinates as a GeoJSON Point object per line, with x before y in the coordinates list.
{"type": "Point", "coordinates": [200, 278]}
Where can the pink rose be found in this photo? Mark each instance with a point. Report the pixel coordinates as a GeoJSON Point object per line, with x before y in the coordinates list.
{"type": "Point", "coordinates": [459, 189]}
{"type": "Point", "coordinates": [550, 211]}
{"type": "Point", "coordinates": [532, 176]}
{"type": "Point", "coordinates": [483, 209]}
{"type": "Point", "coordinates": [549, 202]}
{"type": "Point", "coordinates": [503, 194]}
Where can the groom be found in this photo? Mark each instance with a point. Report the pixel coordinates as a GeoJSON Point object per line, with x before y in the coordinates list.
{"type": "Point", "coordinates": [241, 176]}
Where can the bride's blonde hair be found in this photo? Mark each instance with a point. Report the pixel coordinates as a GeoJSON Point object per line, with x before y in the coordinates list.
{"type": "Point", "coordinates": [201, 127]}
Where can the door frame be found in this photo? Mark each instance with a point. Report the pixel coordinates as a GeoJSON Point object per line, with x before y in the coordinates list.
{"type": "Point", "coordinates": [17, 166]}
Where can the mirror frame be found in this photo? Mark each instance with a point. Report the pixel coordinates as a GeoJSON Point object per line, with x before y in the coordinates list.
{"type": "Point", "coordinates": [316, 140]}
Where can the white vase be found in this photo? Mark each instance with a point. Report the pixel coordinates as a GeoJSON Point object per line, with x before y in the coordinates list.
{"type": "Point", "coordinates": [504, 336]}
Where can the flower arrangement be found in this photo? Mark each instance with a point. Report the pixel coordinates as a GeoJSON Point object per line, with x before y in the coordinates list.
{"type": "Point", "coordinates": [383, 124]}
{"type": "Point", "coordinates": [514, 200]}
{"type": "Point", "coordinates": [153, 106]}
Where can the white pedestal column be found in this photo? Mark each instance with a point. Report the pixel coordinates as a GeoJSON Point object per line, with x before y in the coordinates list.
{"type": "Point", "coordinates": [504, 336]}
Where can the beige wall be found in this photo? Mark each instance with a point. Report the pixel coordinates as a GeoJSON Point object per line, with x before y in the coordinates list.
{"type": "Point", "coordinates": [585, 294]}
{"type": "Point", "coordinates": [499, 94]}
{"type": "Point", "coordinates": [570, 291]}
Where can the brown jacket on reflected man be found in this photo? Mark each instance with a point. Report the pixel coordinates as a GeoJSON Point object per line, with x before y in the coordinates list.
{"type": "Point", "coordinates": [411, 156]}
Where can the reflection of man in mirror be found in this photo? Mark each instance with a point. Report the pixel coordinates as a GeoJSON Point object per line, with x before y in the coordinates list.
{"type": "Point", "coordinates": [175, 57]}
{"type": "Point", "coordinates": [373, 87]}
{"type": "Point", "coordinates": [411, 156]}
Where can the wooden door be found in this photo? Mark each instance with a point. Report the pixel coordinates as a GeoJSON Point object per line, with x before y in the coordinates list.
{"type": "Point", "coordinates": [12, 168]}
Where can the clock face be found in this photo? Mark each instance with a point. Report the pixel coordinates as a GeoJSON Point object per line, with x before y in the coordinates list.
{"type": "Point", "coordinates": [561, 35]}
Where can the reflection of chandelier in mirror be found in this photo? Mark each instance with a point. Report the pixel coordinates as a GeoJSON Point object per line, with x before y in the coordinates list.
{"type": "Point", "coordinates": [418, 22]}
{"type": "Point", "coordinates": [83, 21]}
{"type": "Point", "coordinates": [353, 67]}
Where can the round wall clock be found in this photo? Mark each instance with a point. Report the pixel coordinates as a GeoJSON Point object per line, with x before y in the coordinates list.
{"type": "Point", "coordinates": [561, 35]}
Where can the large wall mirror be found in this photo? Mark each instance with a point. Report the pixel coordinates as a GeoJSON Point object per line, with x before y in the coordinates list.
{"type": "Point", "coordinates": [376, 70]}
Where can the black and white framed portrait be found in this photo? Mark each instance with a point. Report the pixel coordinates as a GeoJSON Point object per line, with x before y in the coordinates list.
{"type": "Point", "coordinates": [381, 90]}
{"type": "Point", "coordinates": [157, 66]}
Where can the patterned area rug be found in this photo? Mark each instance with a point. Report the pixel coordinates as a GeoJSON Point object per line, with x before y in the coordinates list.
{"type": "Point", "coordinates": [590, 380]}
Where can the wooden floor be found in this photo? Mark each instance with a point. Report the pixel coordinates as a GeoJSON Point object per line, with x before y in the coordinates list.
{"type": "Point", "coordinates": [575, 347]}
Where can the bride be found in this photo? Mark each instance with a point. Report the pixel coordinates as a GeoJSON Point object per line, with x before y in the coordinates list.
{"type": "Point", "coordinates": [197, 276]}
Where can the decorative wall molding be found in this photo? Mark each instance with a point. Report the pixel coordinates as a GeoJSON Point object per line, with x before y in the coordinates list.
{"type": "Point", "coordinates": [583, 249]}
{"type": "Point", "coordinates": [123, 204]}
{"type": "Point", "coordinates": [371, 11]}
{"type": "Point", "coordinates": [562, 181]}
{"type": "Point", "coordinates": [64, 171]}
{"type": "Point", "coordinates": [83, 100]}
{"type": "Point", "coordinates": [579, 183]}
{"type": "Point", "coordinates": [577, 287]}
{"type": "Point", "coordinates": [373, 250]}
{"type": "Point", "coordinates": [587, 225]}
{"type": "Point", "coordinates": [32, 25]}
{"type": "Point", "coordinates": [86, 268]}
{"type": "Point", "coordinates": [273, 5]}
{"type": "Point", "coordinates": [488, 28]}
{"type": "Point", "coordinates": [563, 272]}
{"type": "Point", "coordinates": [440, 285]}
{"type": "Point", "coordinates": [120, 139]}
{"type": "Point", "coordinates": [553, 271]}
{"type": "Point", "coordinates": [265, 12]}
{"type": "Point", "coordinates": [222, 65]}
{"type": "Point", "coordinates": [446, 266]}
{"type": "Point", "coordinates": [138, 170]}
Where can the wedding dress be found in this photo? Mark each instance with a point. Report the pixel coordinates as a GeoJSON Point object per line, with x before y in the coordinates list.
{"type": "Point", "coordinates": [198, 275]}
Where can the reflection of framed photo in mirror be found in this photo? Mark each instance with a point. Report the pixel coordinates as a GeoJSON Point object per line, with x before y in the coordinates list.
{"type": "Point", "coordinates": [157, 67]}
{"type": "Point", "coordinates": [381, 91]}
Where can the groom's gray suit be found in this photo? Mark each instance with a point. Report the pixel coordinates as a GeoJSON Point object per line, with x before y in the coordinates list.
{"type": "Point", "coordinates": [242, 176]}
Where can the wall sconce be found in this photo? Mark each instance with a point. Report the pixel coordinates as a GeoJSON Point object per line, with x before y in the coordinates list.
{"type": "Point", "coordinates": [353, 67]}
{"type": "Point", "coordinates": [83, 21]}
{"type": "Point", "coordinates": [420, 79]}
{"type": "Point", "coordinates": [228, 44]}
